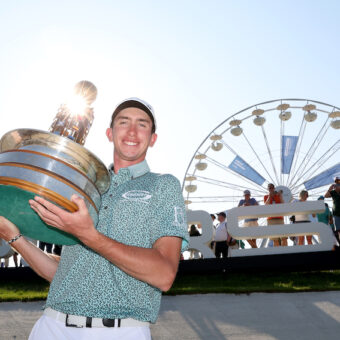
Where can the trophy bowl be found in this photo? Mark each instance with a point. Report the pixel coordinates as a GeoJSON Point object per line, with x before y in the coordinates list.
{"type": "Point", "coordinates": [54, 165]}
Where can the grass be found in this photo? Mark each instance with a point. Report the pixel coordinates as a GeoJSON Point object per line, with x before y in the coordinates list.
{"type": "Point", "coordinates": [31, 289]}
{"type": "Point", "coordinates": [34, 288]}
{"type": "Point", "coordinates": [270, 282]}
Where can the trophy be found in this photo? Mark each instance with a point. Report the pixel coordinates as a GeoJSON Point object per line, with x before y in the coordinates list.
{"type": "Point", "coordinates": [54, 165]}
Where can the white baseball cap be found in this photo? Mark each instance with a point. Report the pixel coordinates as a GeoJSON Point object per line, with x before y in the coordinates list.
{"type": "Point", "coordinates": [138, 103]}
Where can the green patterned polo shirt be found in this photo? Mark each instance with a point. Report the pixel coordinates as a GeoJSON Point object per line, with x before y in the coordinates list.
{"type": "Point", "coordinates": [139, 208]}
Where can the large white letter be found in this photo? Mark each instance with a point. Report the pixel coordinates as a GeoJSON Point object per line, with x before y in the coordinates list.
{"type": "Point", "coordinates": [277, 231]}
{"type": "Point", "coordinates": [201, 243]}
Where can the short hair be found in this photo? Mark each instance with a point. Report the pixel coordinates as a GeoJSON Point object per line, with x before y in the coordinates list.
{"type": "Point", "coordinates": [303, 192]}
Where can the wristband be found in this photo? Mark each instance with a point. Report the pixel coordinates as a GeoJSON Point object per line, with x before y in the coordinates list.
{"type": "Point", "coordinates": [14, 239]}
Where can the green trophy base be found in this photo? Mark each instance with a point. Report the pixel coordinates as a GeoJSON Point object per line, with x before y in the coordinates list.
{"type": "Point", "coordinates": [15, 207]}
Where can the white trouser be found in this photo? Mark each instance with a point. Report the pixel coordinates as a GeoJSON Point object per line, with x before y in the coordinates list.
{"type": "Point", "coordinates": [51, 329]}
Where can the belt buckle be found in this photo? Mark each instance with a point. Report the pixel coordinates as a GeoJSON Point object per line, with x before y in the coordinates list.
{"type": "Point", "coordinates": [71, 325]}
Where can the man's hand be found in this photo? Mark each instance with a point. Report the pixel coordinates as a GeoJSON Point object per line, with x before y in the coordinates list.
{"type": "Point", "coordinates": [79, 223]}
{"type": "Point", "coordinates": [7, 229]}
{"type": "Point", "coordinates": [40, 262]}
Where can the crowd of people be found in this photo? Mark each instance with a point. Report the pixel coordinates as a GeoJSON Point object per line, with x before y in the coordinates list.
{"type": "Point", "coordinates": [222, 240]}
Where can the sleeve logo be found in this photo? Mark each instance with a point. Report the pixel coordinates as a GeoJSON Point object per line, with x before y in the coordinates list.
{"type": "Point", "coordinates": [179, 216]}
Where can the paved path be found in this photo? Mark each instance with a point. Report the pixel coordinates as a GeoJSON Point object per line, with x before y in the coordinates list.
{"type": "Point", "coordinates": [258, 316]}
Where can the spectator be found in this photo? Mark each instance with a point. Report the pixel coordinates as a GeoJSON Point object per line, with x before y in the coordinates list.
{"type": "Point", "coordinates": [326, 216]}
{"type": "Point", "coordinates": [194, 231]}
{"type": "Point", "coordinates": [212, 243]}
{"type": "Point", "coordinates": [213, 217]}
{"type": "Point", "coordinates": [47, 246]}
{"type": "Point", "coordinates": [222, 237]}
{"type": "Point", "coordinates": [303, 218]}
{"type": "Point", "coordinates": [5, 263]}
{"type": "Point", "coordinates": [249, 222]}
{"type": "Point", "coordinates": [275, 197]}
{"type": "Point", "coordinates": [334, 192]}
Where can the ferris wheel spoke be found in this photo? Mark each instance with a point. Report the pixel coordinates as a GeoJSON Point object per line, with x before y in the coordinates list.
{"type": "Point", "coordinates": [297, 152]}
{"type": "Point", "coordinates": [257, 156]}
{"type": "Point", "coordinates": [229, 147]}
{"type": "Point", "coordinates": [222, 166]}
{"type": "Point", "coordinates": [232, 186]}
{"type": "Point", "coordinates": [312, 150]}
{"type": "Point", "coordinates": [322, 160]}
{"type": "Point", "coordinates": [195, 200]}
{"type": "Point", "coordinates": [270, 153]}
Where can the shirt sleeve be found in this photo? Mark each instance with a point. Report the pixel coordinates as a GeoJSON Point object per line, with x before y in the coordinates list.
{"type": "Point", "coordinates": [170, 211]}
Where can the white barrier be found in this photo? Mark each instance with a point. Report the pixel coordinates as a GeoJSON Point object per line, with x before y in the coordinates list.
{"type": "Point", "coordinates": [201, 243]}
{"type": "Point", "coordinates": [324, 233]}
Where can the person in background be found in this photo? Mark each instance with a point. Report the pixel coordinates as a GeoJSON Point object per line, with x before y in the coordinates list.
{"type": "Point", "coordinates": [222, 237]}
{"type": "Point", "coordinates": [249, 222]}
{"type": "Point", "coordinates": [326, 217]}
{"type": "Point", "coordinates": [303, 218]}
{"type": "Point", "coordinates": [334, 193]}
{"type": "Point", "coordinates": [194, 231]}
{"type": "Point", "coordinates": [212, 243]}
{"type": "Point", "coordinates": [275, 197]}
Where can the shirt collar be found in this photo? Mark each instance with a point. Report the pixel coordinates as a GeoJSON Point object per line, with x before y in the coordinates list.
{"type": "Point", "coordinates": [134, 171]}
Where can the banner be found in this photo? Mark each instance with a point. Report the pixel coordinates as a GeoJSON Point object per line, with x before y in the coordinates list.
{"type": "Point", "coordinates": [287, 152]}
{"type": "Point", "coordinates": [324, 178]}
{"type": "Point", "coordinates": [244, 169]}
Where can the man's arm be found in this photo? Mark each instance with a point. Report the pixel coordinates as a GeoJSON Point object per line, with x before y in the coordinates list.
{"type": "Point", "coordinates": [266, 200]}
{"type": "Point", "coordinates": [42, 263]}
{"type": "Point", "coordinates": [328, 193]}
{"type": "Point", "coordinates": [156, 266]}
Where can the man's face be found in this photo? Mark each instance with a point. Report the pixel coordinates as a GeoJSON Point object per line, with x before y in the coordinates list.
{"type": "Point", "coordinates": [247, 197]}
{"type": "Point", "coordinates": [271, 188]}
{"type": "Point", "coordinates": [304, 197]}
{"type": "Point", "coordinates": [221, 218]}
{"type": "Point", "coordinates": [131, 136]}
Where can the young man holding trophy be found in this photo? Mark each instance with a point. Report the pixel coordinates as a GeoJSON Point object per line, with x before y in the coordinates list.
{"type": "Point", "coordinates": [109, 285]}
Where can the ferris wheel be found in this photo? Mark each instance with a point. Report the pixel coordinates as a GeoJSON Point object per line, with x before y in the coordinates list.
{"type": "Point", "coordinates": [292, 143]}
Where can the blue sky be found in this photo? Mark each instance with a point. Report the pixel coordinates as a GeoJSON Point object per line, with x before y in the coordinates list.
{"type": "Point", "coordinates": [196, 62]}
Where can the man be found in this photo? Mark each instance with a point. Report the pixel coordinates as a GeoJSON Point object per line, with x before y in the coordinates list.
{"type": "Point", "coordinates": [212, 243]}
{"type": "Point", "coordinates": [222, 237]}
{"type": "Point", "coordinates": [249, 222]}
{"type": "Point", "coordinates": [109, 285]}
{"type": "Point", "coordinates": [334, 192]}
{"type": "Point", "coordinates": [303, 218]}
{"type": "Point", "coordinates": [326, 217]}
{"type": "Point", "coordinates": [275, 197]}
